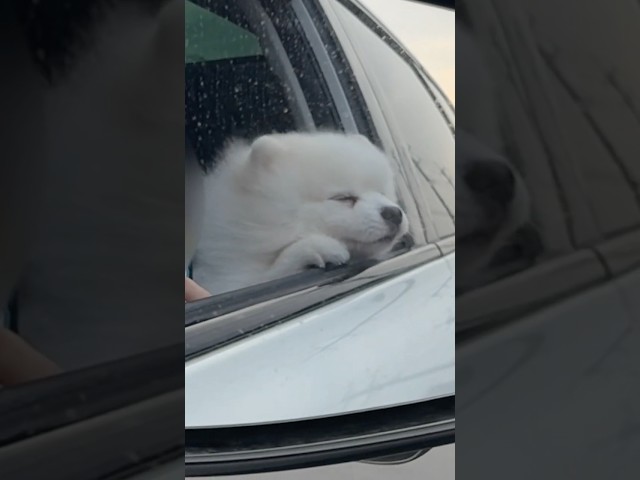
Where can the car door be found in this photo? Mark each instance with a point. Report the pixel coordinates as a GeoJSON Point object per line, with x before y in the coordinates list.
{"type": "Point", "coordinates": [337, 94]}
{"type": "Point", "coordinates": [560, 328]}
{"type": "Point", "coordinates": [319, 40]}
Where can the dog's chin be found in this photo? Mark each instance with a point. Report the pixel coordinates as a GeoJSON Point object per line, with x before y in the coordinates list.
{"type": "Point", "coordinates": [365, 249]}
{"type": "Point", "coordinates": [476, 239]}
{"type": "Point", "coordinates": [481, 236]}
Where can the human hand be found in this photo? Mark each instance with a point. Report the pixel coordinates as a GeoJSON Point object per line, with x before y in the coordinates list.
{"type": "Point", "coordinates": [193, 291]}
{"type": "Point", "coordinates": [20, 363]}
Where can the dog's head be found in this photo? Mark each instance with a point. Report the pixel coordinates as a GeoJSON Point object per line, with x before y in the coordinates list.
{"type": "Point", "coordinates": [492, 209]}
{"type": "Point", "coordinates": [491, 197]}
{"type": "Point", "coordinates": [329, 183]}
{"type": "Point", "coordinates": [494, 233]}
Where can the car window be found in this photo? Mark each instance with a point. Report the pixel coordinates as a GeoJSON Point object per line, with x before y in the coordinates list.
{"type": "Point", "coordinates": [210, 37]}
{"type": "Point", "coordinates": [579, 223]}
{"type": "Point", "coordinates": [259, 67]}
{"type": "Point", "coordinates": [231, 87]}
{"type": "Point", "coordinates": [241, 82]}
{"type": "Point", "coordinates": [414, 110]}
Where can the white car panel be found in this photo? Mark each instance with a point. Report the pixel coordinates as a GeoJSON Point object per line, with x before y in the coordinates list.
{"type": "Point", "coordinates": [390, 344]}
{"type": "Point", "coordinates": [561, 356]}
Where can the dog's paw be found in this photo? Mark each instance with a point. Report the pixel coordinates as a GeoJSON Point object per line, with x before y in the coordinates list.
{"type": "Point", "coordinates": [314, 251]}
{"type": "Point", "coordinates": [325, 252]}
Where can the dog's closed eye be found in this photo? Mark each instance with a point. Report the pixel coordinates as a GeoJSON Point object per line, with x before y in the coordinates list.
{"type": "Point", "coordinates": [345, 198]}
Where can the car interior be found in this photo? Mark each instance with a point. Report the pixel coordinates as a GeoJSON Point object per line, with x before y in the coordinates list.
{"type": "Point", "coordinates": [230, 88]}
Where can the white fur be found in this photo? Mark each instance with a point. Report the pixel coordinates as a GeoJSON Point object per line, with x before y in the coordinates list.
{"type": "Point", "coordinates": [270, 210]}
{"type": "Point", "coordinates": [470, 214]}
{"type": "Point", "coordinates": [480, 139]}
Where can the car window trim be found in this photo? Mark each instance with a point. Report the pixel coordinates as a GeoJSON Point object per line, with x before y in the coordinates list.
{"type": "Point", "coordinates": [306, 64]}
{"type": "Point", "coordinates": [305, 443]}
{"type": "Point", "coordinates": [326, 65]}
{"type": "Point", "coordinates": [88, 392]}
{"type": "Point", "coordinates": [501, 302]}
{"type": "Point", "coordinates": [114, 444]}
{"type": "Point", "coordinates": [619, 252]}
{"type": "Point", "coordinates": [210, 332]}
{"type": "Point", "coordinates": [447, 245]}
{"type": "Point", "coordinates": [507, 300]}
{"type": "Point", "coordinates": [389, 138]}
{"type": "Point", "coordinates": [277, 57]}
{"type": "Point", "coordinates": [440, 100]}
{"type": "Point", "coordinates": [432, 87]}
{"type": "Point", "coordinates": [218, 305]}
{"type": "Point", "coordinates": [113, 418]}
{"type": "Point", "coordinates": [344, 70]}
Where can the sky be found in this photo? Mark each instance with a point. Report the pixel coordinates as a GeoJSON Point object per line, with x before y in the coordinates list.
{"type": "Point", "coordinates": [427, 32]}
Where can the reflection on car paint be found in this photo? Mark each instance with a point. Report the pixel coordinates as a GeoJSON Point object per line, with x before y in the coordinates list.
{"type": "Point", "coordinates": [389, 344]}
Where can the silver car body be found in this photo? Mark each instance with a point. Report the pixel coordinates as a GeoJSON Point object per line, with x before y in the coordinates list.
{"type": "Point", "coordinates": [390, 344]}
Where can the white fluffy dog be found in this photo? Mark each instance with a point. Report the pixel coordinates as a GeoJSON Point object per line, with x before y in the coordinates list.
{"type": "Point", "coordinates": [493, 206]}
{"type": "Point", "coordinates": [292, 201]}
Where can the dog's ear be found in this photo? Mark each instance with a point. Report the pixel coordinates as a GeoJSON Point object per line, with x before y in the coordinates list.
{"type": "Point", "coordinates": [265, 150]}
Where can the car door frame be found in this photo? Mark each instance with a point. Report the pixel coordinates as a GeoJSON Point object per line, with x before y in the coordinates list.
{"type": "Point", "coordinates": [207, 321]}
{"type": "Point", "coordinates": [277, 457]}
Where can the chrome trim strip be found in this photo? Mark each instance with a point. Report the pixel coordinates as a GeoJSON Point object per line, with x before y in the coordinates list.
{"type": "Point", "coordinates": [278, 58]}
{"type": "Point", "coordinates": [208, 335]}
{"type": "Point", "coordinates": [326, 65]}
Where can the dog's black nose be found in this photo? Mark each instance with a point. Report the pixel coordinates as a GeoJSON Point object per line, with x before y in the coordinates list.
{"type": "Point", "coordinates": [392, 215]}
{"type": "Point", "coordinates": [492, 180]}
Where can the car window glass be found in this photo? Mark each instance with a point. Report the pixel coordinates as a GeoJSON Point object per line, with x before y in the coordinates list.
{"type": "Point", "coordinates": [569, 136]}
{"type": "Point", "coordinates": [231, 89]}
{"type": "Point", "coordinates": [415, 116]}
{"type": "Point", "coordinates": [234, 88]}
{"type": "Point", "coordinates": [210, 37]}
